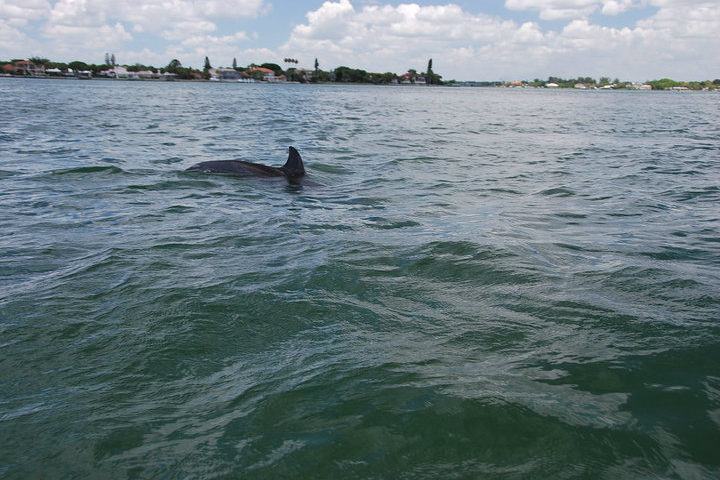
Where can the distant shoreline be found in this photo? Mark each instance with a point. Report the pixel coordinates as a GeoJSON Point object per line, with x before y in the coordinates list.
{"type": "Point", "coordinates": [504, 85]}
{"type": "Point", "coordinates": [498, 85]}
{"type": "Point", "coordinates": [37, 67]}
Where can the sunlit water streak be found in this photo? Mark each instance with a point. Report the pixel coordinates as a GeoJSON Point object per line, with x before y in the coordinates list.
{"type": "Point", "coordinates": [486, 283]}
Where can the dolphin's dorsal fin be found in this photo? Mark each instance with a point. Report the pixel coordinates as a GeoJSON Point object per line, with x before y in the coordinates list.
{"type": "Point", "coordinates": [294, 166]}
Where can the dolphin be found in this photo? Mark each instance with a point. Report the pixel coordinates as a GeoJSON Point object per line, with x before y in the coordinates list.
{"type": "Point", "coordinates": [293, 170]}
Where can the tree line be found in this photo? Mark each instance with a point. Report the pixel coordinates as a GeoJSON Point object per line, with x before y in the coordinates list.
{"type": "Point", "coordinates": [662, 84]}
{"type": "Point", "coordinates": [342, 74]}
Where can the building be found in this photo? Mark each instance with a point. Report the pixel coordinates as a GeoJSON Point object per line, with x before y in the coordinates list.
{"type": "Point", "coordinates": [267, 74]}
{"type": "Point", "coordinates": [147, 74]}
{"type": "Point", "coordinates": [116, 72]}
{"type": "Point", "coordinates": [24, 67]}
{"type": "Point", "coordinates": [225, 74]}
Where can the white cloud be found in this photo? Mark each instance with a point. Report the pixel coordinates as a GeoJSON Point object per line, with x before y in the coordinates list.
{"type": "Point", "coordinates": [572, 9]}
{"type": "Point", "coordinates": [685, 19]}
{"type": "Point", "coordinates": [388, 38]}
{"type": "Point", "coordinates": [89, 27]}
{"type": "Point", "coordinates": [676, 38]}
{"type": "Point", "coordinates": [528, 33]}
{"type": "Point", "coordinates": [210, 43]}
{"type": "Point", "coordinates": [19, 12]}
{"type": "Point", "coordinates": [614, 7]}
{"type": "Point", "coordinates": [151, 15]}
{"type": "Point", "coordinates": [220, 53]}
{"type": "Point", "coordinates": [479, 46]}
{"type": "Point", "coordinates": [74, 40]}
{"type": "Point", "coordinates": [144, 56]}
{"type": "Point", "coordinates": [555, 9]}
{"type": "Point", "coordinates": [183, 30]}
{"type": "Point", "coordinates": [12, 40]}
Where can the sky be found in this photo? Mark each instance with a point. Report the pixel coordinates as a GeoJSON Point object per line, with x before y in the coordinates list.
{"type": "Point", "coordinates": [467, 40]}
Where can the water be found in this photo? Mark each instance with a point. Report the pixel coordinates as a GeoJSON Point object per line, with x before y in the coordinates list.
{"type": "Point", "coordinates": [486, 283]}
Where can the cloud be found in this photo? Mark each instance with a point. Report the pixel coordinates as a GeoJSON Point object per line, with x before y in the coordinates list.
{"type": "Point", "coordinates": [676, 38]}
{"type": "Point", "coordinates": [614, 7]}
{"type": "Point", "coordinates": [211, 42]}
{"type": "Point", "coordinates": [555, 9]}
{"type": "Point", "coordinates": [679, 40]}
{"type": "Point", "coordinates": [74, 39]}
{"type": "Point", "coordinates": [391, 38]}
{"type": "Point", "coordinates": [465, 45]}
{"type": "Point", "coordinates": [148, 14]}
{"type": "Point", "coordinates": [185, 29]}
{"type": "Point", "coordinates": [684, 20]}
{"type": "Point", "coordinates": [65, 26]}
{"type": "Point", "coordinates": [220, 49]}
{"type": "Point", "coordinates": [219, 52]}
{"type": "Point", "coordinates": [12, 39]}
{"type": "Point", "coordinates": [572, 9]}
{"type": "Point", "coordinates": [153, 15]}
{"type": "Point", "coordinates": [19, 12]}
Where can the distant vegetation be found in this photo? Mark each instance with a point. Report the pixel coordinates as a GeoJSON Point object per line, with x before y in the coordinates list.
{"type": "Point", "coordinates": [344, 74]}
{"type": "Point", "coordinates": [340, 74]}
{"type": "Point", "coordinates": [666, 84]}
{"type": "Point", "coordinates": [606, 82]}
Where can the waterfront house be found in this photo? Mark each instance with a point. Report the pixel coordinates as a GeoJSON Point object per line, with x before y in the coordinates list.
{"type": "Point", "coordinates": [267, 74]}
{"type": "Point", "coordinates": [24, 67]}
{"type": "Point", "coordinates": [116, 72]}
{"type": "Point", "coordinates": [226, 74]}
{"type": "Point", "coordinates": [413, 78]}
{"type": "Point", "coordinates": [147, 74]}
{"type": "Point", "coordinates": [305, 74]}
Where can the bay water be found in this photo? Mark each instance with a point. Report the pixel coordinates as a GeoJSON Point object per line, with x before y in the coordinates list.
{"type": "Point", "coordinates": [475, 283]}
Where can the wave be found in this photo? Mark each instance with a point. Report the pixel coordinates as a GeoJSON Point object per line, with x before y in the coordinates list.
{"type": "Point", "coordinates": [108, 169]}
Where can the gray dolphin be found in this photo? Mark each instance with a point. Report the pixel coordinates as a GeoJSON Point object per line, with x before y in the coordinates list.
{"type": "Point", "coordinates": [293, 169]}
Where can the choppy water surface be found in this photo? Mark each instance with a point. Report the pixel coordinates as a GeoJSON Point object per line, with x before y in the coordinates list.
{"type": "Point", "coordinates": [488, 284]}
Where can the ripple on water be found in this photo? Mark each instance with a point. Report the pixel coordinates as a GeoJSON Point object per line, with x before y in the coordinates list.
{"type": "Point", "coordinates": [455, 298]}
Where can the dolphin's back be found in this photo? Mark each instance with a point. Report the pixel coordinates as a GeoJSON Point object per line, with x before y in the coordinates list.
{"type": "Point", "coordinates": [293, 169]}
{"type": "Point", "coordinates": [236, 167]}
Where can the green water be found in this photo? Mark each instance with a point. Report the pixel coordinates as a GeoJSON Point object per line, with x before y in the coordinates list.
{"type": "Point", "coordinates": [482, 283]}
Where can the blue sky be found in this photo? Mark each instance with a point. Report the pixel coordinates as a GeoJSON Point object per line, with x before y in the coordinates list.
{"type": "Point", "coordinates": [468, 40]}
